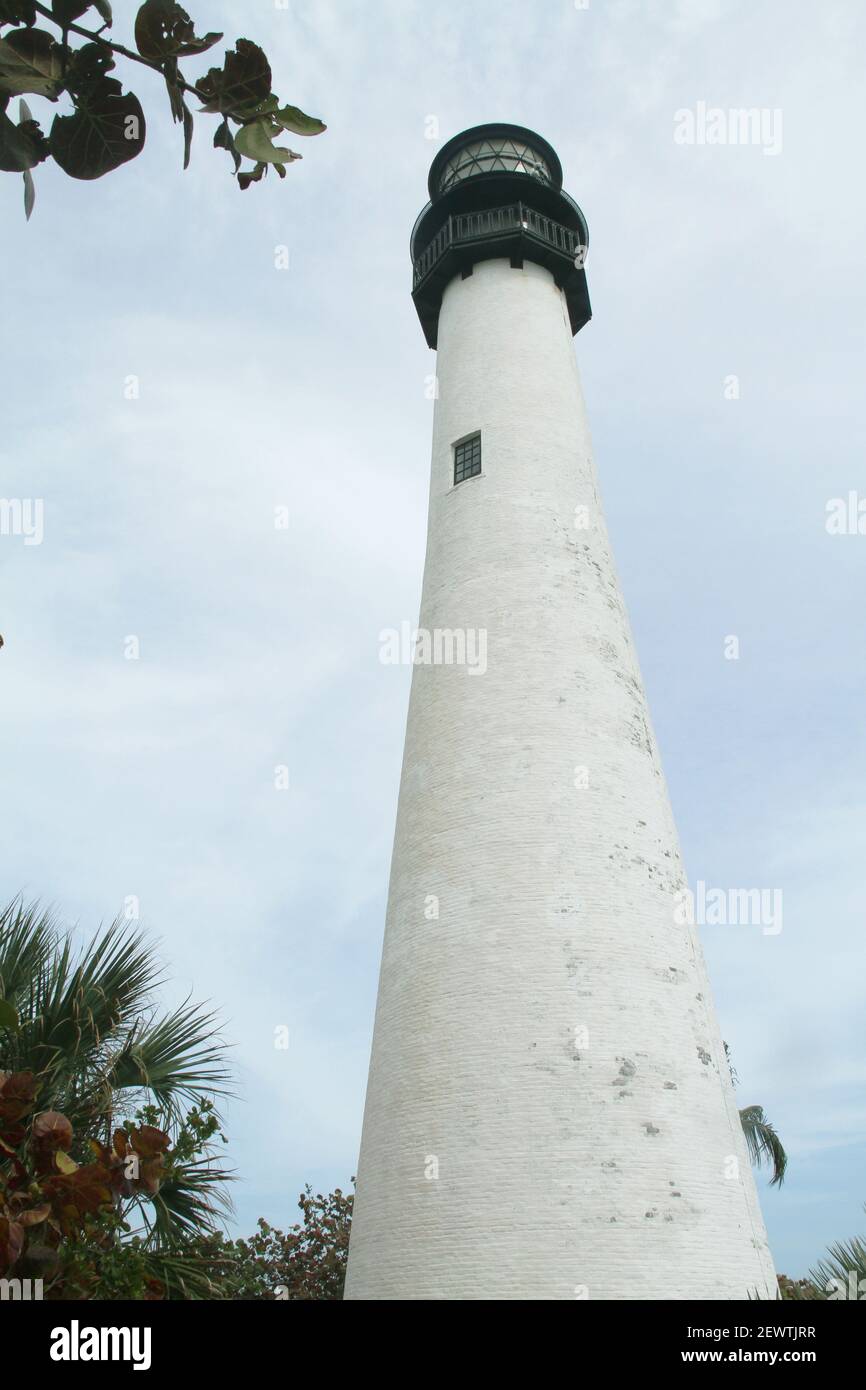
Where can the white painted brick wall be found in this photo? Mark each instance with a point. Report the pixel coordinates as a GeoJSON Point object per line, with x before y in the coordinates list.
{"type": "Point", "coordinates": [563, 1163]}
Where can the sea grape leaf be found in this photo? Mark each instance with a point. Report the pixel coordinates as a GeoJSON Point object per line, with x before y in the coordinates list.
{"type": "Point", "coordinates": [255, 140]}
{"type": "Point", "coordinates": [52, 1130]}
{"type": "Point", "coordinates": [67, 11]}
{"type": "Point", "coordinates": [223, 140]}
{"type": "Point", "coordinates": [248, 176]}
{"type": "Point", "coordinates": [187, 134]}
{"type": "Point", "coordinates": [106, 131]}
{"type": "Point", "coordinates": [31, 61]}
{"type": "Point", "coordinates": [163, 29]}
{"type": "Point", "coordinates": [291, 118]}
{"type": "Point", "coordinates": [17, 12]}
{"type": "Point", "coordinates": [239, 87]}
{"type": "Point", "coordinates": [87, 67]}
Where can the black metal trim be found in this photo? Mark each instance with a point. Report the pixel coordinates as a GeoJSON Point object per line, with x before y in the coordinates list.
{"type": "Point", "coordinates": [516, 232]}
{"type": "Point", "coordinates": [506, 213]}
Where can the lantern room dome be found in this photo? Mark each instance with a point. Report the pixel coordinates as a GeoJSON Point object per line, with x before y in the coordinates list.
{"type": "Point", "coordinates": [494, 149]}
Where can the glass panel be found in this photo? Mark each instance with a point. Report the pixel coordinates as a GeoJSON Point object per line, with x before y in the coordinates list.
{"type": "Point", "coordinates": [467, 459]}
{"type": "Point", "coordinates": [487, 156]}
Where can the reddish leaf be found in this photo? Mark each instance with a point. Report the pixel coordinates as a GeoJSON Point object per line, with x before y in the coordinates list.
{"type": "Point", "coordinates": [11, 1242]}
{"type": "Point", "coordinates": [35, 1216]}
{"type": "Point", "coordinates": [148, 1141]}
{"type": "Point", "coordinates": [51, 1130]}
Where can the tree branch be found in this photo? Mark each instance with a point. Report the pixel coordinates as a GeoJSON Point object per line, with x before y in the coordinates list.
{"type": "Point", "coordinates": [116, 48]}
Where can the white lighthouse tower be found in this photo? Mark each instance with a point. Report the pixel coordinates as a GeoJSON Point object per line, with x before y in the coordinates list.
{"type": "Point", "coordinates": [549, 1112]}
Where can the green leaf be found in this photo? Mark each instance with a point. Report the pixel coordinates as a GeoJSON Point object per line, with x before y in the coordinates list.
{"type": "Point", "coordinates": [239, 87]}
{"type": "Point", "coordinates": [87, 67]}
{"type": "Point", "coordinates": [255, 140]}
{"type": "Point", "coordinates": [106, 131]}
{"type": "Point", "coordinates": [222, 140]}
{"type": "Point", "coordinates": [248, 176]}
{"type": "Point", "coordinates": [22, 146]}
{"type": "Point", "coordinates": [67, 11]}
{"type": "Point", "coordinates": [290, 118]}
{"type": "Point", "coordinates": [30, 61]}
{"type": "Point", "coordinates": [8, 1015]}
{"type": "Point", "coordinates": [17, 12]}
{"type": "Point", "coordinates": [187, 134]}
{"type": "Point", "coordinates": [163, 29]}
{"type": "Point", "coordinates": [25, 114]}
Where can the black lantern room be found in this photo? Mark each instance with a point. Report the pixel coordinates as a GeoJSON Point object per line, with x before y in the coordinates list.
{"type": "Point", "coordinates": [496, 191]}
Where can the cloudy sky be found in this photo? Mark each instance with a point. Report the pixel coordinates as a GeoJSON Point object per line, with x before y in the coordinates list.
{"type": "Point", "coordinates": [304, 388]}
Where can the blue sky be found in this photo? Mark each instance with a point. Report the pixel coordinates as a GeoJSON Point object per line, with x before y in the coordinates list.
{"type": "Point", "coordinates": [305, 388]}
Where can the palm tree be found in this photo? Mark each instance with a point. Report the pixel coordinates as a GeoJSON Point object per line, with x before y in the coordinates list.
{"type": "Point", "coordinates": [86, 1023]}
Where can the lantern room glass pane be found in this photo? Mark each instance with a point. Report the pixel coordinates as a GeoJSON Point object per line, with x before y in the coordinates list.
{"type": "Point", "coordinates": [494, 156]}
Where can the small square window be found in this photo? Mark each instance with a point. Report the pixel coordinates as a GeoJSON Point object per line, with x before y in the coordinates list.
{"type": "Point", "coordinates": [467, 458]}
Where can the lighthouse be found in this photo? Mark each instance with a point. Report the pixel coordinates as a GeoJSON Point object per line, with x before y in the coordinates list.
{"type": "Point", "coordinates": [549, 1110]}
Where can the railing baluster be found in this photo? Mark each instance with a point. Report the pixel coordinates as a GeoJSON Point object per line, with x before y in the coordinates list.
{"type": "Point", "coordinates": [470, 226]}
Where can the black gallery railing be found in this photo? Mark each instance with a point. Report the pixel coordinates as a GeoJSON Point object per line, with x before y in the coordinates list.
{"type": "Point", "coordinates": [477, 226]}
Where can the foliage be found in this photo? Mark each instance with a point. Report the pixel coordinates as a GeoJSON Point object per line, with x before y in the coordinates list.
{"type": "Point", "coordinates": [67, 1222]}
{"type": "Point", "coordinates": [307, 1263]}
{"type": "Point", "coordinates": [106, 1164]}
{"type": "Point", "coordinates": [762, 1141]}
{"type": "Point", "coordinates": [106, 126]}
{"type": "Point", "coordinates": [798, 1290]}
{"type": "Point", "coordinates": [842, 1272]}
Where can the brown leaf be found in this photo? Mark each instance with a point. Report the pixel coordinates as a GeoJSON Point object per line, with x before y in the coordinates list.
{"type": "Point", "coordinates": [11, 1243]}
{"type": "Point", "coordinates": [35, 1215]}
{"type": "Point", "coordinates": [16, 1095]}
{"type": "Point", "coordinates": [148, 1141]}
{"type": "Point", "coordinates": [151, 1173]}
{"type": "Point", "coordinates": [51, 1130]}
{"type": "Point", "coordinates": [74, 1195]}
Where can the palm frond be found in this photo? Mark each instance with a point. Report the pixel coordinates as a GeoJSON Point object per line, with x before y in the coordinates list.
{"type": "Point", "coordinates": [840, 1272]}
{"type": "Point", "coordinates": [69, 1004]}
{"type": "Point", "coordinates": [175, 1058]}
{"type": "Point", "coordinates": [27, 936]}
{"type": "Point", "coordinates": [193, 1201]}
{"type": "Point", "coordinates": [186, 1276]}
{"type": "Point", "coordinates": [763, 1143]}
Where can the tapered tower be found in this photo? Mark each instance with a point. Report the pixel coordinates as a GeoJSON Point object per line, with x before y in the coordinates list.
{"type": "Point", "coordinates": [549, 1111]}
